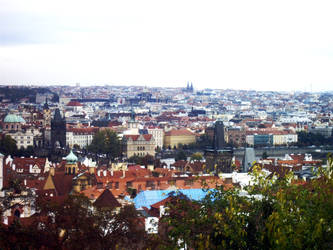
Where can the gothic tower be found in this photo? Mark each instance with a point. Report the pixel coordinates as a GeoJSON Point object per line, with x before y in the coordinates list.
{"type": "Point", "coordinates": [58, 130]}
{"type": "Point", "coordinates": [47, 124]}
{"type": "Point", "coordinates": [219, 141]}
{"type": "Point", "coordinates": [219, 157]}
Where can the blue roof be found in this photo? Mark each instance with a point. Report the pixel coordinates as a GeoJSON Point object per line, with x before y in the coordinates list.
{"type": "Point", "coordinates": [150, 197]}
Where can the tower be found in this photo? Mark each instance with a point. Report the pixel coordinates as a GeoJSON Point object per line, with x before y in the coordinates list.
{"type": "Point", "coordinates": [58, 130]}
{"type": "Point", "coordinates": [71, 164]}
{"type": "Point", "coordinates": [47, 122]}
{"type": "Point", "coordinates": [218, 141]}
{"type": "Point", "coordinates": [132, 123]}
{"type": "Point", "coordinates": [1, 171]}
{"type": "Point", "coordinates": [219, 157]}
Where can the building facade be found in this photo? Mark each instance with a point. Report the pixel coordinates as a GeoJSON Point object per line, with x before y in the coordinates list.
{"type": "Point", "coordinates": [80, 136]}
{"type": "Point", "coordinates": [158, 135]}
{"type": "Point", "coordinates": [178, 136]}
{"type": "Point", "coordinates": [139, 145]}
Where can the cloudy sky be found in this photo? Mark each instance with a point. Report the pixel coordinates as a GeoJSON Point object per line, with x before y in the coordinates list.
{"type": "Point", "coordinates": [262, 45]}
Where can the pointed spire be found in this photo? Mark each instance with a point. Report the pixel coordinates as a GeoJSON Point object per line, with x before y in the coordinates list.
{"type": "Point", "coordinates": [46, 105]}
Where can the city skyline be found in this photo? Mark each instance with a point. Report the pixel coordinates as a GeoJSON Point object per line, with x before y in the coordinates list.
{"type": "Point", "coordinates": [284, 46]}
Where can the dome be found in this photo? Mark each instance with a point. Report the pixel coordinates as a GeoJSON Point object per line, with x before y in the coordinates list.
{"type": "Point", "coordinates": [71, 157]}
{"type": "Point", "coordinates": [14, 119]}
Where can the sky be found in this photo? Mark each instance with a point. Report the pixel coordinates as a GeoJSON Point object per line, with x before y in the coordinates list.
{"type": "Point", "coordinates": [240, 44]}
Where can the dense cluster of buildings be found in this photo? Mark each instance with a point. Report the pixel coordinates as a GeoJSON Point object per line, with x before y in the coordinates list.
{"type": "Point", "coordinates": [147, 121]}
{"type": "Point", "coordinates": [172, 116]}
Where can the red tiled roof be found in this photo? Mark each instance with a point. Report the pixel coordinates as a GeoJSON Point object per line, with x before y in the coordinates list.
{"type": "Point", "coordinates": [107, 199]}
{"type": "Point", "coordinates": [146, 137]}
{"type": "Point", "coordinates": [74, 104]}
{"type": "Point", "coordinates": [24, 163]}
{"type": "Point", "coordinates": [298, 157]}
{"type": "Point", "coordinates": [178, 132]}
{"type": "Point", "coordinates": [88, 130]}
{"type": "Point", "coordinates": [62, 182]}
{"type": "Point", "coordinates": [161, 203]}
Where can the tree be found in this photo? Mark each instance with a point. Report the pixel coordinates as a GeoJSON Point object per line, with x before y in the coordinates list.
{"type": "Point", "coordinates": [181, 155]}
{"type": "Point", "coordinates": [106, 142]}
{"type": "Point", "coordinates": [142, 160]}
{"type": "Point", "coordinates": [307, 139]}
{"type": "Point", "coordinates": [8, 145]}
{"type": "Point", "coordinates": [196, 156]}
{"type": "Point", "coordinates": [75, 224]}
{"type": "Point", "coordinates": [278, 213]}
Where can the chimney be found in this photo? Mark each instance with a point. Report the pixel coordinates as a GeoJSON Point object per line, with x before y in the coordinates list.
{"type": "Point", "coordinates": [123, 174]}
{"type": "Point", "coordinates": [25, 182]}
{"type": "Point", "coordinates": [104, 173]}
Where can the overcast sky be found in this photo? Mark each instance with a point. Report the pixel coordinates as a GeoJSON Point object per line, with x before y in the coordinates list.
{"type": "Point", "coordinates": [261, 45]}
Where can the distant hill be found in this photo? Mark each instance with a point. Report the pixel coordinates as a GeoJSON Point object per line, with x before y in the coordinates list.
{"type": "Point", "coordinates": [15, 94]}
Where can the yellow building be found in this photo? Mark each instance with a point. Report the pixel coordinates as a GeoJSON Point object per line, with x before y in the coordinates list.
{"type": "Point", "coordinates": [175, 137]}
{"type": "Point", "coordinates": [139, 145]}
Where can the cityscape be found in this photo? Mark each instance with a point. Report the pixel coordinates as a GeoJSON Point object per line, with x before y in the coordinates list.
{"type": "Point", "coordinates": [145, 149]}
{"type": "Point", "coordinates": [166, 124]}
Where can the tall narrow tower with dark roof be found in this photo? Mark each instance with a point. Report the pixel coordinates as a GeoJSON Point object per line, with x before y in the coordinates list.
{"type": "Point", "coordinates": [58, 130]}
{"type": "Point", "coordinates": [219, 141]}
{"type": "Point", "coordinates": [219, 157]}
{"type": "Point", "coordinates": [47, 124]}
{"type": "Point", "coordinates": [1, 170]}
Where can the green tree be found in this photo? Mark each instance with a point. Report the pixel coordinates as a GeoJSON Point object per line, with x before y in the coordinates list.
{"type": "Point", "coordinates": [277, 213]}
{"type": "Point", "coordinates": [8, 145]}
{"type": "Point", "coordinates": [196, 156]}
{"type": "Point", "coordinates": [106, 142]}
{"type": "Point", "coordinates": [180, 155]}
{"type": "Point", "coordinates": [142, 160]}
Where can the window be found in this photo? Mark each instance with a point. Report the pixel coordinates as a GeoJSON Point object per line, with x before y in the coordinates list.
{"type": "Point", "coordinates": [129, 184]}
{"type": "Point", "coordinates": [116, 186]}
